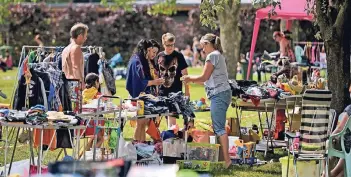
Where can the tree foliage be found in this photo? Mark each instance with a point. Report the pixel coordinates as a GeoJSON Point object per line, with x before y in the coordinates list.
{"type": "Point", "coordinates": [209, 10]}
{"type": "Point", "coordinates": [108, 28]}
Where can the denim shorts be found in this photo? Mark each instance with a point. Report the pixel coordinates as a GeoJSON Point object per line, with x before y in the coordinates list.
{"type": "Point", "coordinates": [219, 106]}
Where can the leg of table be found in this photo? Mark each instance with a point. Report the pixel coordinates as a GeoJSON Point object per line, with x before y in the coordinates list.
{"type": "Point", "coordinates": [40, 151]}
{"type": "Point", "coordinates": [6, 144]}
{"type": "Point", "coordinates": [273, 114]}
{"type": "Point", "coordinates": [84, 154]}
{"type": "Point", "coordinates": [78, 143]}
{"type": "Point", "coordinates": [259, 117]}
{"type": "Point", "coordinates": [96, 131]}
{"type": "Point", "coordinates": [70, 140]}
{"type": "Point", "coordinates": [31, 145]}
{"type": "Point", "coordinates": [269, 131]}
{"type": "Point", "coordinates": [14, 150]}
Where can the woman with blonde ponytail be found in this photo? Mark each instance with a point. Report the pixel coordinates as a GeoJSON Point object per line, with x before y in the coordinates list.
{"type": "Point", "coordinates": [215, 79]}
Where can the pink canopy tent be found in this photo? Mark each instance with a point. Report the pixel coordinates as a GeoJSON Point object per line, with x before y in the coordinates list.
{"type": "Point", "coordinates": [290, 10]}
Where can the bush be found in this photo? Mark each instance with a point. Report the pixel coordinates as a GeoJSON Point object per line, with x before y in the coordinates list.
{"type": "Point", "coordinates": [107, 28]}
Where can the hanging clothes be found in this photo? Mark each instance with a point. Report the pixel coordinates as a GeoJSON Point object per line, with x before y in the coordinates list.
{"type": "Point", "coordinates": [35, 94]}
{"type": "Point", "coordinates": [91, 64]}
{"type": "Point", "coordinates": [308, 52]}
{"type": "Point", "coordinates": [318, 52]}
{"type": "Point", "coordinates": [48, 135]}
{"type": "Point", "coordinates": [313, 54]}
{"type": "Point", "coordinates": [299, 52]}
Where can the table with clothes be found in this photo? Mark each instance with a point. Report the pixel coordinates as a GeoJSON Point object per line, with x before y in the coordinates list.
{"type": "Point", "coordinates": [61, 126]}
{"type": "Point", "coordinates": [266, 98]}
{"type": "Point", "coordinates": [154, 108]}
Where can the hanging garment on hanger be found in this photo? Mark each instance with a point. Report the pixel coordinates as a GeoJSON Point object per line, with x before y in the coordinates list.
{"type": "Point", "coordinates": [305, 49]}
{"type": "Point", "coordinates": [64, 138]}
{"type": "Point", "coordinates": [323, 60]}
{"type": "Point", "coordinates": [308, 52]}
{"type": "Point", "coordinates": [91, 65]}
{"type": "Point", "coordinates": [109, 78]}
{"type": "Point", "coordinates": [299, 52]}
{"type": "Point", "coordinates": [318, 52]}
{"type": "Point", "coordinates": [35, 95]}
{"type": "Point", "coordinates": [64, 93]}
{"type": "Point", "coordinates": [313, 54]}
{"type": "Point", "coordinates": [48, 134]}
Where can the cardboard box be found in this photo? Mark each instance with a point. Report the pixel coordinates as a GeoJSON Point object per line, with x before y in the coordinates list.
{"type": "Point", "coordinates": [251, 137]}
{"type": "Point", "coordinates": [234, 126]}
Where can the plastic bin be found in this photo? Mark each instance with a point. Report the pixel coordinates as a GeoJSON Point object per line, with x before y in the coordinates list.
{"type": "Point", "coordinates": [203, 152]}
{"type": "Point", "coordinates": [304, 168]}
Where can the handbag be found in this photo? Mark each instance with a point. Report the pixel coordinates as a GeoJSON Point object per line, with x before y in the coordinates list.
{"type": "Point", "coordinates": [109, 77]}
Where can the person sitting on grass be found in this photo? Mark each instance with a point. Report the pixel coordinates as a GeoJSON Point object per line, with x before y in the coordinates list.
{"type": "Point", "coordinates": [89, 93]}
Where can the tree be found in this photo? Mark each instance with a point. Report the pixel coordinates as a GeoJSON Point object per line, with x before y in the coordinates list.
{"type": "Point", "coordinates": [226, 12]}
{"type": "Point", "coordinates": [334, 21]}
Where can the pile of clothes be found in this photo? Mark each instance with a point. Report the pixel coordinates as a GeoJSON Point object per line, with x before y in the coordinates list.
{"type": "Point", "coordinates": [37, 115]}
{"type": "Point", "coordinates": [12, 115]}
{"type": "Point", "coordinates": [175, 103]}
{"type": "Point", "coordinates": [251, 90]}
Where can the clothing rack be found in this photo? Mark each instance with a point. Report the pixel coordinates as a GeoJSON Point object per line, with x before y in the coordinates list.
{"type": "Point", "coordinates": [312, 43]}
{"type": "Point", "coordinates": [23, 55]}
{"type": "Point", "coordinates": [45, 64]}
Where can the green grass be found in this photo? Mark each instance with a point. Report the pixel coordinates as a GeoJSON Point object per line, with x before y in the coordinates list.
{"type": "Point", "coordinates": [7, 81]}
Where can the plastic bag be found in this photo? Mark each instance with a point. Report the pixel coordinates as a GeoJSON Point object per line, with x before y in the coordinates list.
{"type": "Point", "coordinates": [126, 150]}
{"type": "Point", "coordinates": [109, 78]}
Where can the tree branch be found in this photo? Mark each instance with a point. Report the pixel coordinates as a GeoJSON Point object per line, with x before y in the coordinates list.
{"type": "Point", "coordinates": [321, 16]}
{"type": "Point", "coordinates": [340, 19]}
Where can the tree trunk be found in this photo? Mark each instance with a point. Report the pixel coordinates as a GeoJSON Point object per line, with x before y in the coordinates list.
{"type": "Point", "coordinates": [335, 30]}
{"type": "Point", "coordinates": [230, 36]}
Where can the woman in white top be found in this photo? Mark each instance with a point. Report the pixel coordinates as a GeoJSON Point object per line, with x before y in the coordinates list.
{"type": "Point", "coordinates": [215, 79]}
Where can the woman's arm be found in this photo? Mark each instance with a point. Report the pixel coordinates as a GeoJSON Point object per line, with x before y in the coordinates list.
{"type": "Point", "coordinates": [204, 76]}
{"type": "Point", "coordinates": [342, 124]}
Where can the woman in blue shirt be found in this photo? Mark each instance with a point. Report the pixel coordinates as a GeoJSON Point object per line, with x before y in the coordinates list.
{"type": "Point", "coordinates": [142, 77]}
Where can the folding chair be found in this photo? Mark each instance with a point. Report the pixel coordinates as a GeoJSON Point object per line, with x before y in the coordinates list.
{"type": "Point", "coordinates": [345, 141]}
{"type": "Point", "coordinates": [314, 128]}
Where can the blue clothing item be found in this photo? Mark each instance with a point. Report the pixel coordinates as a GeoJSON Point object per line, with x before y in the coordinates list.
{"type": "Point", "coordinates": [299, 52]}
{"type": "Point", "coordinates": [115, 60]}
{"type": "Point", "coordinates": [219, 106]}
{"type": "Point", "coordinates": [5, 112]}
{"type": "Point", "coordinates": [136, 80]}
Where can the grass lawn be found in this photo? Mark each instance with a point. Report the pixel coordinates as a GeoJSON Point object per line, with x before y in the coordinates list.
{"type": "Point", "coordinates": [7, 81]}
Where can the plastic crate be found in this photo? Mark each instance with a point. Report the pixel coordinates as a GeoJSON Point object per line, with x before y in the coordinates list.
{"type": "Point", "coordinates": [200, 166]}
{"type": "Point", "coordinates": [203, 152]}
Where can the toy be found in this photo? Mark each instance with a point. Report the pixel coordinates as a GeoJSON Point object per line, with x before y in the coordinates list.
{"type": "Point", "coordinates": [201, 104]}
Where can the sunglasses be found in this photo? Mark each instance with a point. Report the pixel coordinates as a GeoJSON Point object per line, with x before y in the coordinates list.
{"type": "Point", "coordinates": [169, 45]}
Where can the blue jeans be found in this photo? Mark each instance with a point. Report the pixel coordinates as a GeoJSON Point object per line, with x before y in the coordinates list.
{"type": "Point", "coordinates": [219, 106]}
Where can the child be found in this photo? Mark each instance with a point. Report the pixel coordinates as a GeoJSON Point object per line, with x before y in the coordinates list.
{"type": "Point", "coordinates": [91, 88]}
{"type": "Point", "coordinates": [89, 93]}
